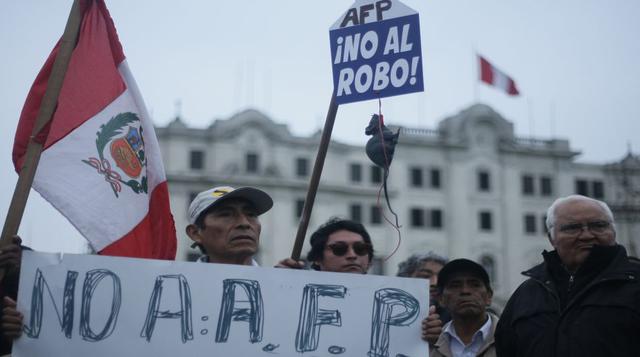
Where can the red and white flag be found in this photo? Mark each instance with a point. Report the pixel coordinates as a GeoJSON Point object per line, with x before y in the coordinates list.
{"type": "Point", "coordinates": [101, 165]}
{"type": "Point", "coordinates": [496, 78]}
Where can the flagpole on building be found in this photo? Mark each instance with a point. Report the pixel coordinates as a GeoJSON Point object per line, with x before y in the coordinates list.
{"type": "Point", "coordinates": [530, 115]}
{"type": "Point", "coordinates": [315, 178]}
{"type": "Point", "coordinates": [45, 113]}
{"type": "Point", "coordinates": [475, 66]}
{"type": "Point", "coordinates": [552, 114]}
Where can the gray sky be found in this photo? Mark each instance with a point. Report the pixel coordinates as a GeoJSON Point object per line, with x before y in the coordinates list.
{"type": "Point", "coordinates": [574, 61]}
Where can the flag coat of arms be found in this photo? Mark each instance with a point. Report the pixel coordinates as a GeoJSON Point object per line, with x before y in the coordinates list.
{"type": "Point", "coordinates": [101, 165]}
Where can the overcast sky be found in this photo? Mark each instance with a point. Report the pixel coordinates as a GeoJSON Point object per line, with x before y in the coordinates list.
{"type": "Point", "coordinates": [576, 63]}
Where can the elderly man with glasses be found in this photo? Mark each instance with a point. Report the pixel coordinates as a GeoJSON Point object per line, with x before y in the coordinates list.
{"type": "Point", "coordinates": [584, 299]}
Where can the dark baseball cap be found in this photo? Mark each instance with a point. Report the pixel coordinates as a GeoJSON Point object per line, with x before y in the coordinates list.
{"type": "Point", "coordinates": [462, 266]}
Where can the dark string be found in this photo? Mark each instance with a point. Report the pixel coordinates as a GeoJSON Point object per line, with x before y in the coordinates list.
{"type": "Point", "coordinates": [395, 225]}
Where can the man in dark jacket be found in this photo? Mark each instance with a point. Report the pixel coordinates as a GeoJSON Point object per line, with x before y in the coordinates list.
{"type": "Point", "coordinates": [584, 299]}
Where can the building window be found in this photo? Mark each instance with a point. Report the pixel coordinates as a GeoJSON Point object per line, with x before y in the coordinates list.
{"type": "Point", "coordinates": [417, 217]}
{"type": "Point", "coordinates": [356, 172]}
{"type": "Point", "coordinates": [593, 189]}
{"type": "Point", "coordinates": [302, 167]}
{"type": "Point", "coordinates": [598, 189]}
{"type": "Point", "coordinates": [415, 176]}
{"type": "Point", "coordinates": [484, 182]}
{"type": "Point", "coordinates": [489, 264]}
{"type": "Point", "coordinates": [376, 174]}
{"type": "Point", "coordinates": [252, 163]}
{"type": "Point", "coordinates": [527, 185]}
{"type": "Point", "coordinates": [582, 187]}
{"type": "Point", "coordinates": [196, 159]}
{"type": "Point", "coordinates": [436, 218]}
{"type": "Point", "coordinates": [299, 207]}
{"type": "Point", "coordinates": [355, 212]}
{"type": "Point", "coordinates": [435, 178]}
{"type": "Point", "coordinates": [546, 186]}
{"type": "Point", "coordinates": [376, 214]}
{"type": "Point", "coordinates": [530, 223]}
{"type": "Point", "coordinates": [486, 222]}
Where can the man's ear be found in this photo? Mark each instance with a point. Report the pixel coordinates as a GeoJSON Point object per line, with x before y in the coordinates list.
{"type": "Point", "coordinates": [489, 296]}
{"type": "Point", "coordinates": [193, 232]}
{"type": "Point", "coordinates": [550, 239]}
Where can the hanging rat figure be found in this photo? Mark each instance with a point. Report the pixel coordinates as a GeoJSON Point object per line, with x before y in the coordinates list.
{"type": "Point", "coordinates": [380, 149]}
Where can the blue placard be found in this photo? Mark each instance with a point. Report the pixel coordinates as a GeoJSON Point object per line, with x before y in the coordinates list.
{"type": "Point", "coordinates": [377, 60]}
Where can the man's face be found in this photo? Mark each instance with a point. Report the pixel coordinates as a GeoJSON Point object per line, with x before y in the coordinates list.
{"type": "Point", "coordinates": [429, 270]}
{"type": "Point", "coordinates": [350, 261]}
{"type": "Point", "coordinates": [230, 232]}
{"type": "Point", "coordinates": [572, 240]}
{"type": "Point", "coordinates": [465, 295]}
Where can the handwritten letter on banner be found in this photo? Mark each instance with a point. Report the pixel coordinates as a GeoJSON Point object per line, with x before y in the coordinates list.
{"type": "Point", "coordinates": [79, 305]}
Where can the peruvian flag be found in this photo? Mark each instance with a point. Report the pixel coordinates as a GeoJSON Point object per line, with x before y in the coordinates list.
{"type": "Point", "coordinates": [495, 77]}
{"type": "Point", "coordinates": [101, 165]}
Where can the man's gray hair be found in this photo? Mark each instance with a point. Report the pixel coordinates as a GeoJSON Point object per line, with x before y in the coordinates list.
{"type": "Point", "coordinates": [551, 211]}
{"type": "Point", "coordinates": [415, 261]}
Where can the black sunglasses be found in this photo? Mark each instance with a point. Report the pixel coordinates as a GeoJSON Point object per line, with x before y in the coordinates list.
{"type": "Point", "coordinates": [341, 248]}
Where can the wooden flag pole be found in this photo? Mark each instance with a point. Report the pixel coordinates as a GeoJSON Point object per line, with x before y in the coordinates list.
{"type": "Point", "coordinates": [315, 178]}
{"type": "Point", "coordinates": [45, 113]}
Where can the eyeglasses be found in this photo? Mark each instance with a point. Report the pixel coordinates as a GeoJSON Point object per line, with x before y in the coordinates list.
{"type": "Point", "coordinates": [596, 227]}
{"type": "Point", "coordinates": [339, 249]}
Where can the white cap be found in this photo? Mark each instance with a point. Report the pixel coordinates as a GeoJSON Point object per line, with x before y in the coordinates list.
{"type": "Point", "coordinates": [260, 200]}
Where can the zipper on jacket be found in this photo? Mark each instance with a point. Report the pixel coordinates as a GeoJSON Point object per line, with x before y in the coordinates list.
{"type": "Point", "coordinates": [570, 286]}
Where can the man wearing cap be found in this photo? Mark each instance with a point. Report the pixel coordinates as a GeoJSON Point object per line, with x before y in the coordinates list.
{"type": "Point", "coordinates": [224, 224]}
{"type": "Point", "coordinates": [465, 291]}
{"type": "Point", "coordinates": [584, 298]}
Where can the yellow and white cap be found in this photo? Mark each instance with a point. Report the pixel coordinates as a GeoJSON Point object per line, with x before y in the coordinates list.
{"type": "Point", "coordinates": [261, 201]}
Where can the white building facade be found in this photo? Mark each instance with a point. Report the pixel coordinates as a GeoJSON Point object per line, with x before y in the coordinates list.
{"type": "Point", "coordinates": [468, 189]}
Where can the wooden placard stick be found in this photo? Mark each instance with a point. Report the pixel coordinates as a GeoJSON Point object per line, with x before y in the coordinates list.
{"type": "Point", "coordinates": [315, 178]}
{"type": "Point", "coordinates": [45, 113]}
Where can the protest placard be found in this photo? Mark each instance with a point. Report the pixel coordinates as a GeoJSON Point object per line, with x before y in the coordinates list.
{"type": "Point", "coordinates": [79, 305]}
{"type": "Point", "coordinates": [375, 51]}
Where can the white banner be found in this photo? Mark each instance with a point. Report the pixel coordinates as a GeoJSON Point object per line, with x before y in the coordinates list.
{"type": "Point", "coordinates": [81, 305]}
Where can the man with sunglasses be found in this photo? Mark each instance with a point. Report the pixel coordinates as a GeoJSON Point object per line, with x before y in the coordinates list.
{"type": "Point", "coordinates": [584, 299]}
{"type": "Point", "coordinates": [339, 245]}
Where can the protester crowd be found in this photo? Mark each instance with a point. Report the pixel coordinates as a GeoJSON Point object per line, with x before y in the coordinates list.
{"type": "Point", "coordinates": [583, 299]}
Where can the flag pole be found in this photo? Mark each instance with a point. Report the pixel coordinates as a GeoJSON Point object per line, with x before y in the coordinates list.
{"type": "Point", "coordinates": [45, 113]}
{"type": "Point", "coordinates": [315, 178]}
{"type": "Point", "coordinates": [476, 67]}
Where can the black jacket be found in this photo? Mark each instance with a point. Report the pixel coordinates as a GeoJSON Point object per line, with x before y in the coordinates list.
{"type": "Point", "coordinates": [595, 312]}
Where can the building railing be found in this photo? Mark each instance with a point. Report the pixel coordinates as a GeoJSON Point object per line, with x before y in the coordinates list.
{"type": "Point", "coordinates": [534, 142]}
{"type": "Point", "coordinates": [421, 132]}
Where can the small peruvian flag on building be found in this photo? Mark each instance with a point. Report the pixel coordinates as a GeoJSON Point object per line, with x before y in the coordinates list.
{"type": "Point", "coordinates": [492, 76]}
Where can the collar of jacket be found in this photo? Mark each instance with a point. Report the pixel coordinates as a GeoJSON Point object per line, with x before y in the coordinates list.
{"type": "Point", "coordinates": [617, 268]}
{"type": "Point", "coordinates": [442, 345]}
